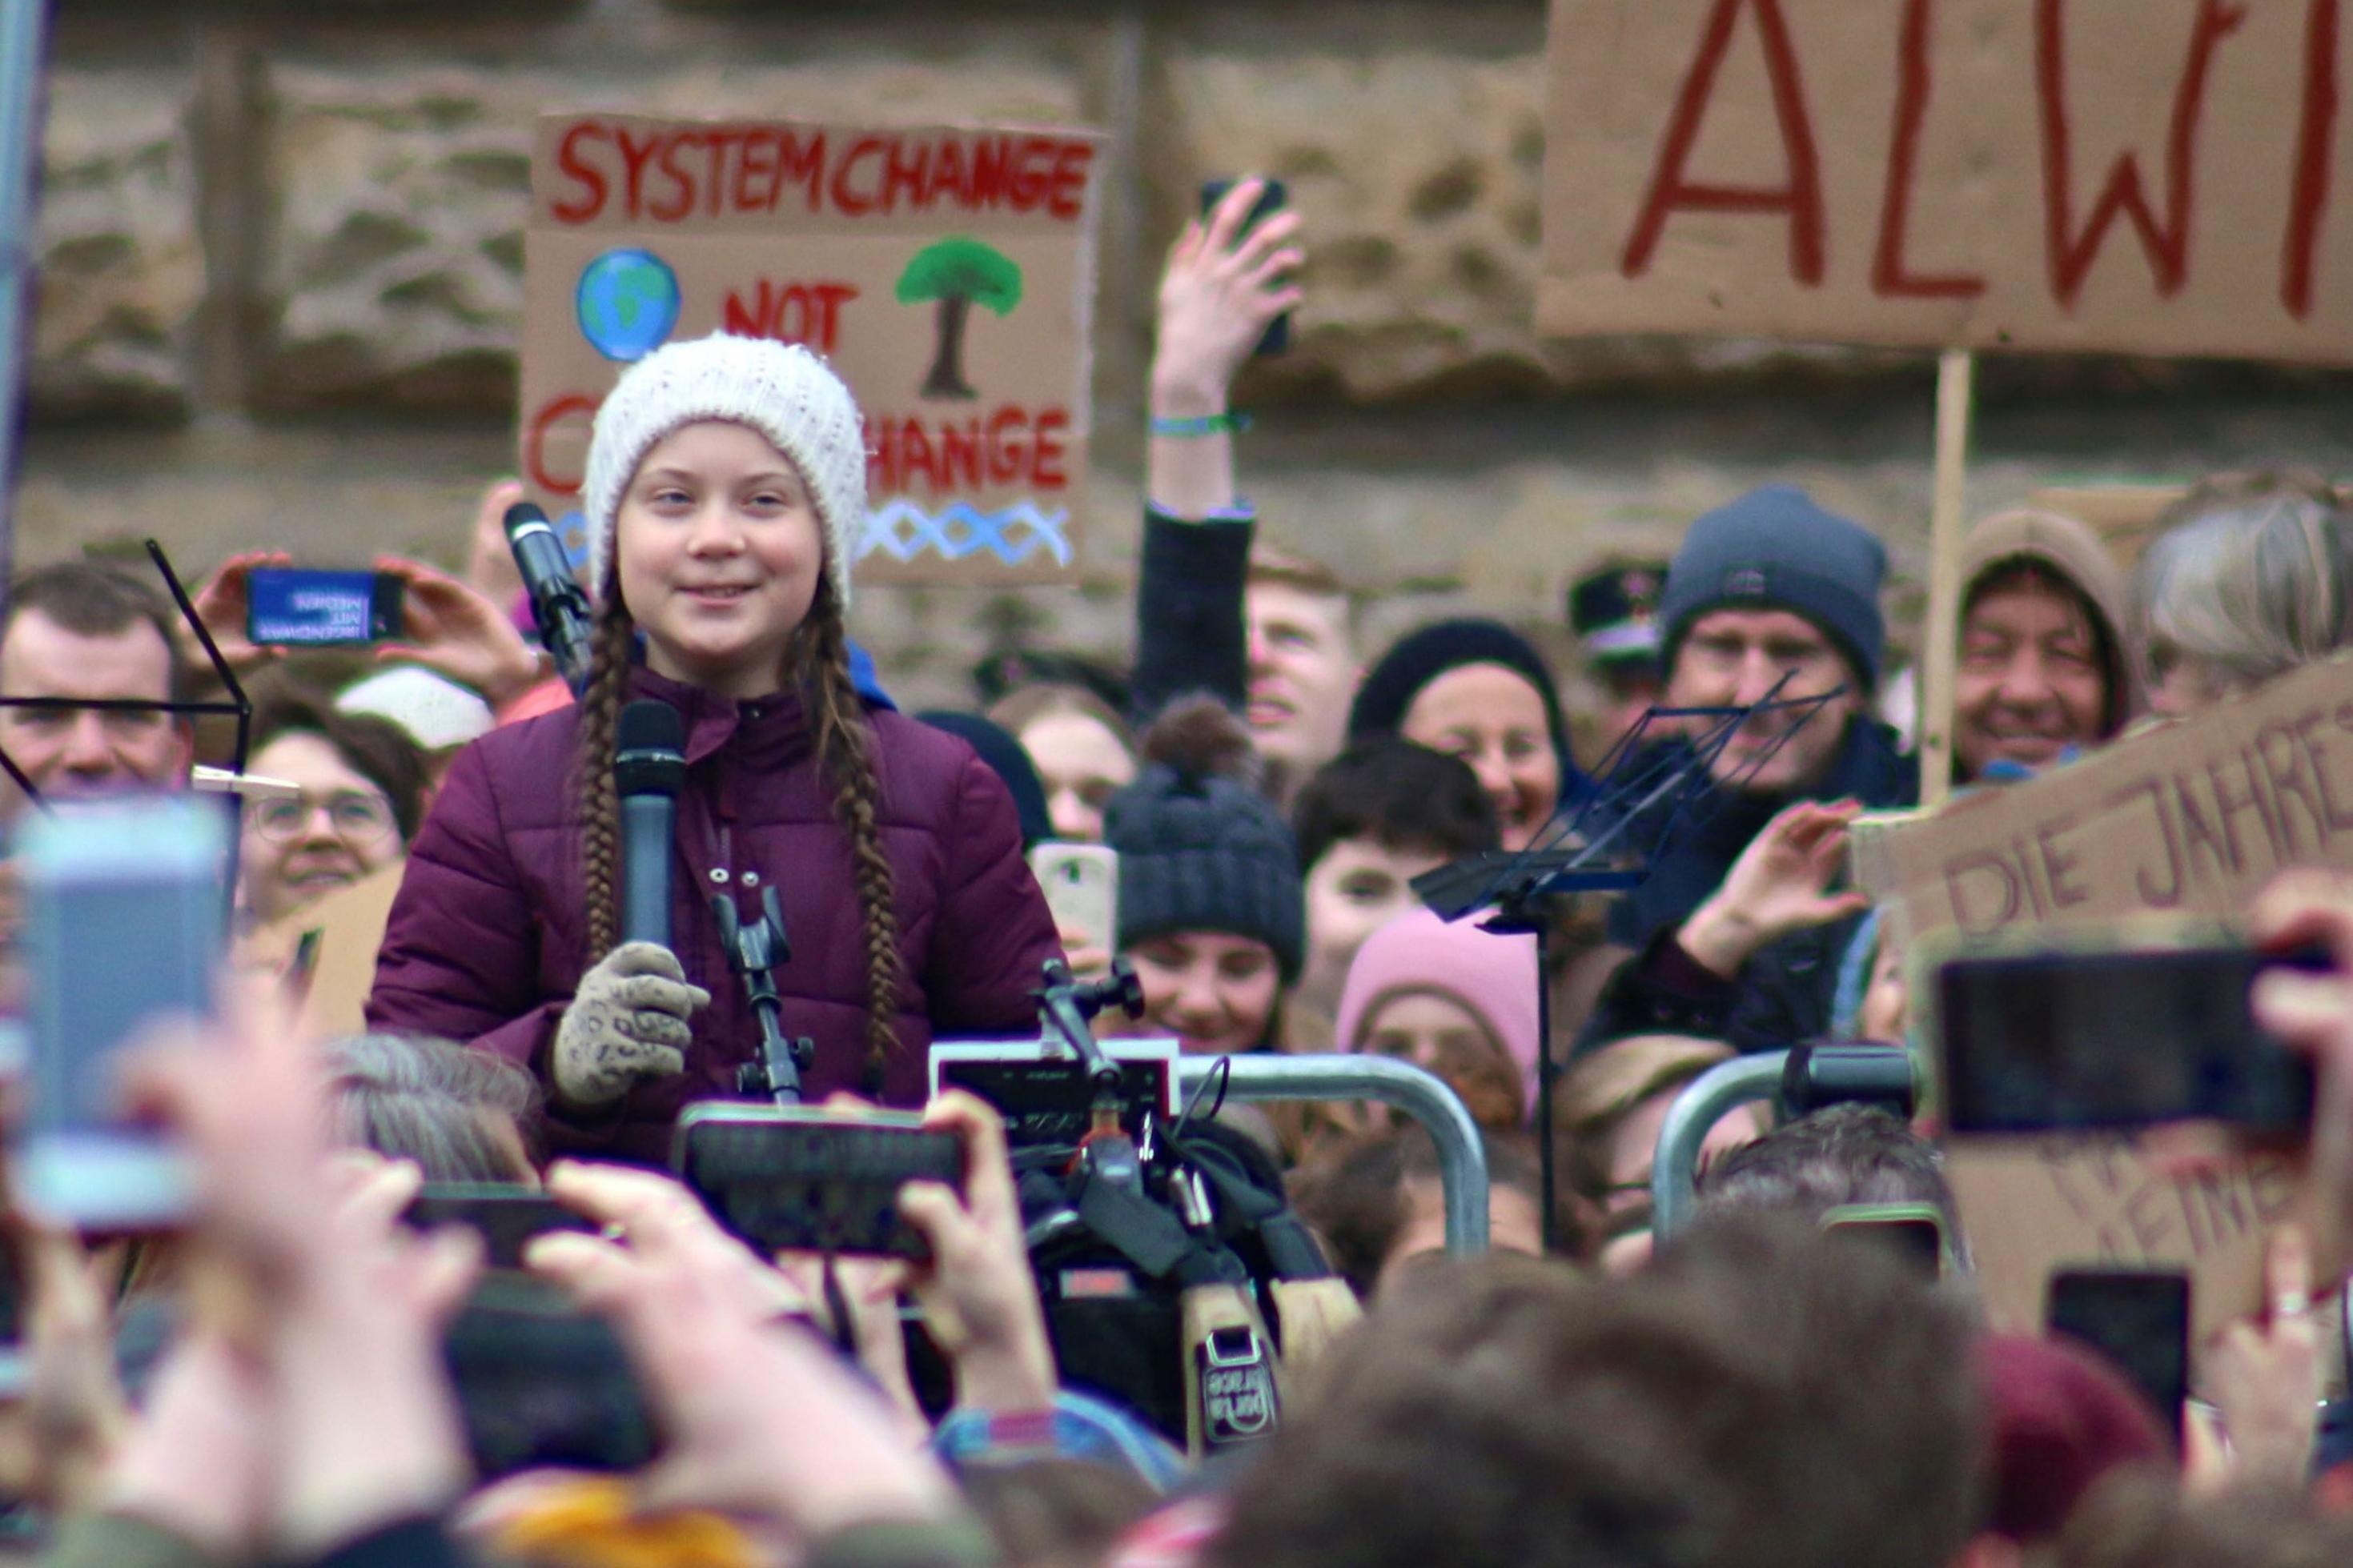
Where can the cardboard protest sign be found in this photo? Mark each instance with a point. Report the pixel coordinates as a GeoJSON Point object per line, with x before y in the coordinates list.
{"type": "Point", "coordinates": [947, 272]}
{"type": "Point", "coordinates": [2151, 177]}
{"type": "Point", "coordinates": [2032, 1205]}
{"type": "Point", "coordinates": [2187, 818]}
{"type": "Point", "coordinates": [342, 932]}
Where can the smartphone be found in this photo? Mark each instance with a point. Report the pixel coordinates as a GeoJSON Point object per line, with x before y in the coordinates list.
{"type": "Point", "coordinates": [543, 1383]}
{"type": "Point", "coordinates": [798, 1179]}
{"type": "Point", "coordinates": [2033, 1041]}
{"type": "Point", "coordinates": [125, 924]}
{"type": "Point", "coordinates": [1272, 198]}
{"type": "Point", "coordinates": [2138, 1322]}
{"type": "Point", "coordinates": [506, 1217]}
{"type": "Point", "coordinates": [1082, 887]}
{"type": "Point", "coordinates": [285, 606]}
{"type": "Point", "coordinates": [1913, 1235]}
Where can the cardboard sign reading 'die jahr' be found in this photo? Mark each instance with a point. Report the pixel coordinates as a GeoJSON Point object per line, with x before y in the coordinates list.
{"type": "Point", "coordinates": [948, 273]}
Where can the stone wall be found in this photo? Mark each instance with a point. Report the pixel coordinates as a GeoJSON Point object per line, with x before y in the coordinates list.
{"type": "Point", "coordinates": [280, 253]}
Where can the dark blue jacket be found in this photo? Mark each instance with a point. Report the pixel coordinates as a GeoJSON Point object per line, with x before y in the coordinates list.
{"type": "Point", "coordinates": [1698, 852]}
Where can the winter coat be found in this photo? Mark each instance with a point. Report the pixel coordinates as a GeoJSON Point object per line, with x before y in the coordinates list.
{"type": "Point", "coordinates": [1786, 994]}
{"type": "Point", "coordinates": [488, 938]}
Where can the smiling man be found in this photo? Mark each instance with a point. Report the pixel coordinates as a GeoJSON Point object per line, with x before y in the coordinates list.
{"type": "Point", "coordinates": [2044, 673]}
{"type": "Point", "coordinates": [82, 631]}
{"type": "Point", "coordinates": [1769, 588]}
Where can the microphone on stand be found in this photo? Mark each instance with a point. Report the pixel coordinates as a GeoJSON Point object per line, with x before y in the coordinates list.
{"type": "Point", "coordinates": [557, 600]}
{"type": "Point", "coordinates": [648, 768]}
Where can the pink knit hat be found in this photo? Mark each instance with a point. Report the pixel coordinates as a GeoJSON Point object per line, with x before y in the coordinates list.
{"type": "Point", "coordinates": [1494, 976]}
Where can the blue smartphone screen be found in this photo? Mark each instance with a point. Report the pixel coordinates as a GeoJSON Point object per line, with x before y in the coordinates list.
{"type": "Point", "coordinates": [314, 608]}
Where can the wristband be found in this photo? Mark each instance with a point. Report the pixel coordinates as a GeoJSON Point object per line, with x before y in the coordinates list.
{"type": "Point", "coordinates": [1200, 425]}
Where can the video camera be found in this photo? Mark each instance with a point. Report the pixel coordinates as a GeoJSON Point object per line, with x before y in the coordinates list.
{"type": "Point", "coordinates": [1162, 1241]}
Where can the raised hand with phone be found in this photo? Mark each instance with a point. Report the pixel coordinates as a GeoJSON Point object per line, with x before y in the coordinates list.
{"type": "Point", "coordinates": [1228, 279]}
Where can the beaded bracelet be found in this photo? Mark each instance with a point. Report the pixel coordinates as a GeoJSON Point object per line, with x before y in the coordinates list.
{"type": "Point", "coordinates": [1200, 425]}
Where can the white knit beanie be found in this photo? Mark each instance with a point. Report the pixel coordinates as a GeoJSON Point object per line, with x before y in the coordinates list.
{"type": "Point", "coordinates": [784, 392]}
{"type": "Point", "coordinates": [436, 711]}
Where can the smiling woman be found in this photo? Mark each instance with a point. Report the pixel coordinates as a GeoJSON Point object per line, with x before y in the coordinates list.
{"type": "Point", "coordinates": [1477, 690]}
{"type": "Point", "coordinates": [362, 783]}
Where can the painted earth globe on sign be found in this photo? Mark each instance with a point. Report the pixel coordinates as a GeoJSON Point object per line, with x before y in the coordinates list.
{"type": "Point", "coordinates": [627, 303]}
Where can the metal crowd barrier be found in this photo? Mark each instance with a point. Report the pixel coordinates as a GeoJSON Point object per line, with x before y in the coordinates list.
{"type": "Point", "coordinates": [1674, 1167]}
{"type": "Point", "coordinates": [1421, 1094]}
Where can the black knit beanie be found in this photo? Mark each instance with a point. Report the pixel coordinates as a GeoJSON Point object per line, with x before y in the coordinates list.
{"type": "Point", "coordinates": [1200, 851]}
{"type": "Point", "coordinates": [1419, 658]}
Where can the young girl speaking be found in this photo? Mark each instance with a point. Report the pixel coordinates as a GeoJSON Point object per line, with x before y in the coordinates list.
{"type": "Point", "coordinates": [725, 478]}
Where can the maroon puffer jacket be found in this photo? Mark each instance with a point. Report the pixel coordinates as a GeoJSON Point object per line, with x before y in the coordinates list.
{"type": "Point", "coordinates": [487, 938]}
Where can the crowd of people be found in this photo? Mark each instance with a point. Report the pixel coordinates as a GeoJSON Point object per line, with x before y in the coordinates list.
{"type": "Point", "coordinates": [275, 1382]}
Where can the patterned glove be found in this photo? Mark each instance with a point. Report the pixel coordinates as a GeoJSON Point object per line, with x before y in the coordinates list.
{"type": "Point", "coordinates": [626, 1021]}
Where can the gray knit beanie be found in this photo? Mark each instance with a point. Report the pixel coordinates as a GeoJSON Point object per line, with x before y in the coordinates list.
{"type": "Point", "coordinates": [1774, 549]}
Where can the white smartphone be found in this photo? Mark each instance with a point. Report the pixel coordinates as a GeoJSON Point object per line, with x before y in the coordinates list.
{"type": "Point", "coordinates": [125, 923]}
{"type": "Point", "coordinates": [1082, 884]}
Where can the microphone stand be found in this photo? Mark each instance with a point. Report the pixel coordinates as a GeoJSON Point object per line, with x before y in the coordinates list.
{"type": "Point", "coordinates": [754, 951]}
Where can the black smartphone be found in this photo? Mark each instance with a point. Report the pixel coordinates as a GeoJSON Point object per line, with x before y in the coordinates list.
{"type": "Point", "coordinates": [505, 1216]}
{"type": "Point", "coordinates": [2115, 1039]}
{"type": "Point", "coordinates": [540, 1383]}
{"type": "Point", "coordinates": [2138, 1322]}
{"type": "Point", "coordinates": [1271, 199]}
{"type": "Point", "coordinates": [288, 607]}
{"type": "Point", "coordinates": [798, 1179]}
{"type": "Point", "coordinates": [1912, 1235]}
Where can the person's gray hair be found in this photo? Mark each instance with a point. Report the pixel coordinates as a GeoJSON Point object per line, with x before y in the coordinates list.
{"type": "Point", "coordinates": [435, 1102]}
{"type": "Point", "coordinates": [2250, 573]}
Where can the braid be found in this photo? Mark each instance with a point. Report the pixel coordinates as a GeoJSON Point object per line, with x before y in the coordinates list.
{"type": "Point", "coordinates": [845, 751]}
{"type": "Point", "coordinates": [599, 800]}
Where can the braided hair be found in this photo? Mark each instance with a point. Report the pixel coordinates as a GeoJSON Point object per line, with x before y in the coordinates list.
{"type": "Point", "coordinates": [820, 662]}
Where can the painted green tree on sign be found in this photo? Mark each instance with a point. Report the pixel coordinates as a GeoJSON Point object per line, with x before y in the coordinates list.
{"type": "Point", "coordinates": [959, 272]}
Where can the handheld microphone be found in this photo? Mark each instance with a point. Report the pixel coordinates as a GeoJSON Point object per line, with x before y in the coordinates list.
{"type": "Point", "coordinates": [648, 767]}
{"type": "Point", "coordinates": [556, 601]}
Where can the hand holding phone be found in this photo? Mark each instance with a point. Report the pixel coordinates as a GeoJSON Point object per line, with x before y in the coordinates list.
{"type": "Point", "coordinates": [798, 1179]}
{"type": "Point", "coordinates": [1226, 295]}
{"type": "Point", "coordinates": [980, 1294]}
{"type": "Point", "coordinates": [1081, 882]}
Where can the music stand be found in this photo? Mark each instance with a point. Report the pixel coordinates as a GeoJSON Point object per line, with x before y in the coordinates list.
{"type": "Point", "coordinates": [1601, 839]}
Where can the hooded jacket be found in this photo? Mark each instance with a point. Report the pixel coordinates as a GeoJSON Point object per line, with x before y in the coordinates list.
{"type": "Point", "coordinates": [2068, 550]}
{"type": "Point", "coordinates": [488, 938]}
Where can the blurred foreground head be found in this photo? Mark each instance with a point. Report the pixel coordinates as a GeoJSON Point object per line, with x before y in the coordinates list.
{"type": "Point", "coordinates": [1759, 1398]}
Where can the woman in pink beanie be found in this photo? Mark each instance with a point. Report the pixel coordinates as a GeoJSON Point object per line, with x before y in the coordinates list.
{"type": "Point", "coordinates": [1456, 999]}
